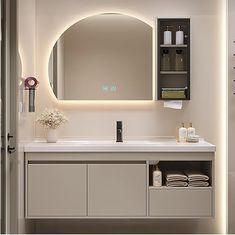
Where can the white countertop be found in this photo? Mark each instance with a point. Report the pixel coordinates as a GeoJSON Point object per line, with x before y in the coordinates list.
{"type": "Point", "coordinates": [157, 145]}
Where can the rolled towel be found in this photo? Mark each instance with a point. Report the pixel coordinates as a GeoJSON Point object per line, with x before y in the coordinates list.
{"type": "Point", "coordinates": [196, 176]}
{"type": "Point", "coordinates": [198, 184]}
{"type": "Point", "coordinates": [175, 176]}
{"type": "Point", "coordinates": [176, 184]}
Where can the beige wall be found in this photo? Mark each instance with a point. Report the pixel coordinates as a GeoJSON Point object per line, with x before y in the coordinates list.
{"type": "Point", "coordinates": [141, 119]}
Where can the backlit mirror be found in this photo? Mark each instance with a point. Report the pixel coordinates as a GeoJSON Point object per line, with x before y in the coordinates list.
{"type": "Point", "coordinates": [103, 57]}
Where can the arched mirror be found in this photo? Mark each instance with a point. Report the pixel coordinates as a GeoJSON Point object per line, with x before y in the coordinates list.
{"type": "Point", "coordinates": [103, 57]}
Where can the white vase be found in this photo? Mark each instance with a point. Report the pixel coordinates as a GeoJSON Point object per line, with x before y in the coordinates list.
{"type": "Point", "coordinates": [52, 136]}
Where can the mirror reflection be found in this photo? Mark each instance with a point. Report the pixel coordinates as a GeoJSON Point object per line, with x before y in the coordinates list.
{"type": "Point", "coordinates": [103, 57]}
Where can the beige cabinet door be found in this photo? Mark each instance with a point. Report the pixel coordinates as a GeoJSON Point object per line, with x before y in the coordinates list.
{"type": "Point", "coordinates": [56, 190]}
{"type": "Point", "coordinates": [117, 190]}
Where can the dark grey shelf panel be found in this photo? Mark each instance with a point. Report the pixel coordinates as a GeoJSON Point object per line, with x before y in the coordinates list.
{"type": "Point", "coordinates": [173, 46]}
{"type": "Point", "coordinates": [173, 72]}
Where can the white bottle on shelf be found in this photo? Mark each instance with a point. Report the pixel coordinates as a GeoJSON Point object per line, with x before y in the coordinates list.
{"type": "Point", "coordinates": [191, 130]}
{"type": "Point", "coordinates": [179, 39]}
{"type": "Point", "coordinates": [157, 177]}
{"type": "Point", "coordinates": [167, 37]}
{"type": "Point", "coordinates": [182, 133]}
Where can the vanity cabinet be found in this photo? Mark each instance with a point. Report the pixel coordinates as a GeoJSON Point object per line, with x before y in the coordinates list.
{"type": "Point", "coordinates": [56, 190]}
{"type": "Point", "coordinates": [117, 190]}
{"type": "Point", "coordinates": [114, 185]}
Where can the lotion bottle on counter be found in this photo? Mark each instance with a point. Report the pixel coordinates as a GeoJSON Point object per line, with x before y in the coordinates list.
{"type": "Point", "coordinates": [191, 130]}
{"type": "Point", "coordinates": [157, 177]}
{"type": "Point", "coordinates": [182, 133]}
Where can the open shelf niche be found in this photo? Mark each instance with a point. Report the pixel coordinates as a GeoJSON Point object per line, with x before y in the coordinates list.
{"type": "Point", "coordinates": [203, 166]}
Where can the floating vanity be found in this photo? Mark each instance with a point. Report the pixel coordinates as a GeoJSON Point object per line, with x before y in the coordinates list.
{"type": "Point", "coordinates": [104, 179]}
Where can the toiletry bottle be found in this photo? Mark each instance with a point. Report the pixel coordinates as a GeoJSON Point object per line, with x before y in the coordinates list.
{"type": "Point", "coordinates": [165, 65]}
{"type": "Point", "coordinates": [179, 61]}
{"type": "Point", "coordinates": [179, 38]}
{"type": "Point", "coordinates": [191, 130]}
{"type": "Point", "coordinates": [167, 37]}
{"type": "Point", "coordinates": [157, 177]}
{"type": "Point", "coordinates": [182, 133]}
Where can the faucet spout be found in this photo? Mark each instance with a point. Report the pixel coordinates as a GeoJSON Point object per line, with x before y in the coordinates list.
{"type": "Point", "coordinates": [119, 132]}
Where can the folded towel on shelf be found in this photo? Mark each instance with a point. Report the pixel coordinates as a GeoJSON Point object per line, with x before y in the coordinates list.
{"type": "Point", "coordinates": [176, 184]}
{"type": "Point", "coordinates": [196, 176]}
{"type": "Point", "coordinates": [198, 184]}
{"type": "Point", "coordinates": [175, 176]}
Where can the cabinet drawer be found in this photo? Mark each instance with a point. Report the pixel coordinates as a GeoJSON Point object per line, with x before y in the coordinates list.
{"type": "Point", "coordinates": [180, 202]}
{"type": "Point", "coordinates": [56, 190]}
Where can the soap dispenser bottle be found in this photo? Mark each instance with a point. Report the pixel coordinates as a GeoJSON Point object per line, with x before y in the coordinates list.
{"type": "Point", "coordinates": [191, 130]}
{"type": "Point", "coordinates": [167, 39]}
{"type": "Point", "coordinates": [182, 133]}
{"type": "Point", "coordinates": [157, 177]}
{"type": "Point", "coordinates": [179, 38]}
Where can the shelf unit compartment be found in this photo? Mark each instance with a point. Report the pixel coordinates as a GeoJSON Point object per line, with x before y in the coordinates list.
{"type": "Point", "coordinates": [202, 166]}
{"type": "Point", "coordinates": [172, 52]}
{"type": "Point", "coordinates": [174, 81]}
{"type": "Point", "coordinates": [172, 78]}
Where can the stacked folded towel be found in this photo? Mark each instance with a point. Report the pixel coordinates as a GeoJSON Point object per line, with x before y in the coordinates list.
{"type": "Point", "coordinates": [197, 179]}
{"type": "Point", "coordinates": [176, 179]}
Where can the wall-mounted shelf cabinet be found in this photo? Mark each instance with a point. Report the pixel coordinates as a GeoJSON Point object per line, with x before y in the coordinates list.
{"type": "Point", "coordinates": [170, 74]}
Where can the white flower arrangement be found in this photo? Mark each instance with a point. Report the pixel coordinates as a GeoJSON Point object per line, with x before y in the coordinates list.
{"type": "Point", "coordinates": [51, 118]}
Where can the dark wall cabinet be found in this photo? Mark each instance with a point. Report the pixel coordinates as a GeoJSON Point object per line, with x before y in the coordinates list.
{"type": "Point", "coordinates": [173, 75]}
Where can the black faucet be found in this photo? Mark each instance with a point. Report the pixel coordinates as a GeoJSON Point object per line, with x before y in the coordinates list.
{"type": "Point", "coordinates": [119, 132]}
